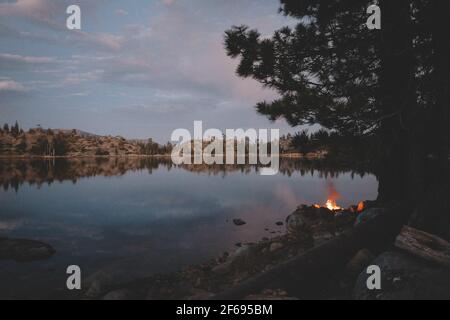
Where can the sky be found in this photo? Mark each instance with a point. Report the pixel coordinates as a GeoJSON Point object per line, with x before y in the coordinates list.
{"type": "Point", "coordinates": [138, 68]}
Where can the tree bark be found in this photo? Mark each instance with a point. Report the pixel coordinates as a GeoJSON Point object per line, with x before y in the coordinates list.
{"type": "Point", "coordinates": [413, 162]}
{"type": "Point", "coordinates": [433, 212]}
{"type": "Point", "coordinates": [397, 102]}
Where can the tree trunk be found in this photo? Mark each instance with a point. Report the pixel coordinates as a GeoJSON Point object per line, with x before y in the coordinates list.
{"type": "Point", "coordinates": [398, 103]}
{"type": "Point", "coordinates": [413, 163]}
{"type": "Point", "coordinates": [433, 211]}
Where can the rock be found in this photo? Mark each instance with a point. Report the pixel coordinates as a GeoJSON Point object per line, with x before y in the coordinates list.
{"type": "Point", "coordinates": [226, 267]}
{"type": "Point", "coordinates": [271, 295]}
{"type": "Point", "coordinates": [239, 222]}
{"type": "Point", "coordinates": [361, 260]}
{"type": "Point", "coordinates": [276, 246]}
{"type": "Point", "coordinates": [120, 295]}
{"type": "Point", "coordinates": [299, 229]}
{"type": "Point", "coordinates": [22, 250]}
{"type": "Point", "coordinates": [95, 289]}
{"type": "Point", "coordinates": [322, 237]}
{"type": "Point", "coordinates": [279, 223]}
{"type": "Point", "coordinates": [222, 268]}
{"type": "Point", "coordinates": [243, 258]}
{"type": "Point", "coordinates": [369, 214]}
{"type": "Point", "coordinates": [116, 275]}
{"type": "Point", "coordinates": [295, 223]}
{"type": "Point", "coordinates": [404, 277]}
{"type": "Point", "coordinates": [344, 219]}
{"type": "Point", "coordinates": [197, 294]}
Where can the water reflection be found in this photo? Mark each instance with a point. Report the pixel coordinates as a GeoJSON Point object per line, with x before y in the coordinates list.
{"type": "Point", "coordinates": [14, 173]}
{"type": "Point", "coordinates": [133, 217]}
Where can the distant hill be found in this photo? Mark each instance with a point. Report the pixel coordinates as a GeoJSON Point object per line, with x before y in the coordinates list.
{"type": "Point", "coordinates": [71, 143]}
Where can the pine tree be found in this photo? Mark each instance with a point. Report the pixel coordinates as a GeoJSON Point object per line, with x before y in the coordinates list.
{"type": "Point", "coordinates": [15, 130]}
{"type": "Point", "coordinates": [389, 84]}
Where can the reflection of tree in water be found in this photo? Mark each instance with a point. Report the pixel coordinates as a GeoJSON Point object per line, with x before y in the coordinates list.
{"type": "Point", "coordinates": [14, 173]}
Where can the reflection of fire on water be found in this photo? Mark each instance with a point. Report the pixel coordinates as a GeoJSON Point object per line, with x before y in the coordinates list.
{"type": "Point", "coordinates": [333, 196]}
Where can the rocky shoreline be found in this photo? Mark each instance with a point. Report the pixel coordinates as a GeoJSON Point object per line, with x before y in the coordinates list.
{"type": "Point", "coordinates": [405, 275]}
{"type": "Point", "coordinates": [307, 227]}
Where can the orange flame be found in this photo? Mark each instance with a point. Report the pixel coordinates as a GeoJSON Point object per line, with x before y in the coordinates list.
{"type": "Point", "coordinates": [333, 195]}
{"type": "Point", "coordinates": [361, 207]}
{"type": "Point", "coordinates": [332, 205]}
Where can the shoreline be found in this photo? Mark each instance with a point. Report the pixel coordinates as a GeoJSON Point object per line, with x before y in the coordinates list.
{"type": "Point", "coordinates": [30, 157]}
{"type": "Point", "coordinates": [27, 157]}
{"type": "Point", "coordinates": [306, 228]}
{"type": "Point", "coordinates": [309, 229]}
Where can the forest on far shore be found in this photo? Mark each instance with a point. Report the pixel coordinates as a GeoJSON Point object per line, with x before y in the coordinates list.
{"type": "Point", "coordinates": [39, 142]}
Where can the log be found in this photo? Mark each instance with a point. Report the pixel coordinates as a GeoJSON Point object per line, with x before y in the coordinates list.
{"type": "Point", "coordinates": [308, 276]}
{"type": "Point", "coordinates": [424, 245]}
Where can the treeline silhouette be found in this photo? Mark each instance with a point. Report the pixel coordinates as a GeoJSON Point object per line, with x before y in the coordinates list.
{"type": "Point", "coordinates": [336, 146]}
{"type": "Point", "coordinates": [152, 148]}
{"type": "Point", "coordinates": [15, 130]}
{"type": "Point", "coordinates": [14, 141]}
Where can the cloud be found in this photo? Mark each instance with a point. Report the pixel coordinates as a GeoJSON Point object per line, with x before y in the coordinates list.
{"type": "Point", "coordinates": [98, 40]}
{"type": "Point", "coordinates": [14, 58]}
{"type": "Point", "coordinates": [51, 15]}
{"type": "Point", "coordinates": [163, 65]}
{"type": "Point", "coordinates": [35, 9]}
{"type": "Point", "coordinates": [80, 77]}
{"type": "Point", "coordinates": [121, 12]}
{"type": "Point", "coordinates": [11, 86]}
{"type": "Point", "coordinates": [44, 12]}
{"type": "Point", "coordinates": [182, 49]}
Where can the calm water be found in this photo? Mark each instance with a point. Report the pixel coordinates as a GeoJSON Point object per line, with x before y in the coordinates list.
{"type": "Point", "coordinates": [132, 218]}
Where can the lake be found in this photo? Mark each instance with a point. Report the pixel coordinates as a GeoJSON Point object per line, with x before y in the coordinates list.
{"type": "Point", "coordinates": [131, 218]}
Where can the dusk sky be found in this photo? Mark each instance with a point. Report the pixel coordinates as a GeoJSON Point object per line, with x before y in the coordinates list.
{"type": "Point", "coordinates": [137, 68]}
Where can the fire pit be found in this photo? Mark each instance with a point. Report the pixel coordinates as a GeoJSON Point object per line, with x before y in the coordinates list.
{"type": "Point", "coordinates": [333, 206]}
{"type": "Point", "coordinates": [331, 203]}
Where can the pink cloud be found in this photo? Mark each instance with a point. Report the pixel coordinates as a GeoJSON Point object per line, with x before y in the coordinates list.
{"type": "Point", "coordinates": [10, 85]}
{"type": "Point", "coordinates": [41, 10]}
{"type": "Point", "coordinates": [168, 2]}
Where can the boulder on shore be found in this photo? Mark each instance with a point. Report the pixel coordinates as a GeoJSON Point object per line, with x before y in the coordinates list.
{"type": "Point", "coordinates": [239, 222]}
{"type": "Point", "coordinates": [23, 250]}
{"type": "Point", "coordinates": [369, 214]}
{"type": "Point", "coordinates": [405, 277]}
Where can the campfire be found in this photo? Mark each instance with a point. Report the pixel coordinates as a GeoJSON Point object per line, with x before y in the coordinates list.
{"type": "Point", "coordinates": [331, 203]}
{"type": "Point", "coordinates": [333, 206]}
